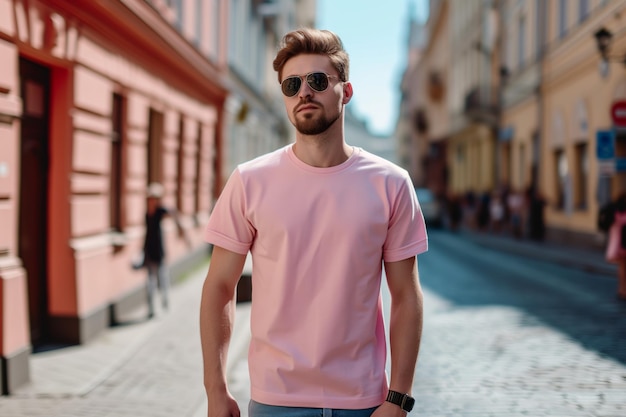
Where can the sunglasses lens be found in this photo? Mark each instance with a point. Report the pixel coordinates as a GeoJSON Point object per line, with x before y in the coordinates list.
{"type": "Point", "coordinates": [291, 86]}
{"type": "Point", "coordinates": [318, 81]}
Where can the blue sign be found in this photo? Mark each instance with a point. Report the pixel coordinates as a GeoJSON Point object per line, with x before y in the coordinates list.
{"type": "Point", "coordinates": [620, 164]}
{"type": "Point", "coordinates": [605, 144]}
{"type": "Point", "coordinates": [505, 134]}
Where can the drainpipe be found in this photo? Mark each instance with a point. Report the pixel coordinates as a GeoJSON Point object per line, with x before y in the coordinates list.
{"type": "Point", "coordinates": [538, 139]}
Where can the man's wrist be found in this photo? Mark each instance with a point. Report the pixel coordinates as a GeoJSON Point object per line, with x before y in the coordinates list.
{"type": "Point", "coordinates": [404, 401]}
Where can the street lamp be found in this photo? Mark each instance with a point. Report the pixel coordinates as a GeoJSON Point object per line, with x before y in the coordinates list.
{"type": "Point", "coordinates": [603, 42]}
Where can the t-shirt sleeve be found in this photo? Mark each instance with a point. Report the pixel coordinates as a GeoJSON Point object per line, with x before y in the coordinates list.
{"type": "Point", "coordinates": [406, 234]}
{"type": "Point", "coordinates": [228, 225]}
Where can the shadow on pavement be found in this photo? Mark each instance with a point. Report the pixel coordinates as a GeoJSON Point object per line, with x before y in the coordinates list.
{"type": "Point", "coordinates": [49, 347]}
{"type": "Point", "coordinates": [579, 304]}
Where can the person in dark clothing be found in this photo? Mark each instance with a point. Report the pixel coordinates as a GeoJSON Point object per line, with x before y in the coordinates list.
{"type": "Point", "coordinates": [154, 248]}
{"type": "Point", "coordinates": [482, 214]}
{"type": "Point", "coordinates": [536, 204]}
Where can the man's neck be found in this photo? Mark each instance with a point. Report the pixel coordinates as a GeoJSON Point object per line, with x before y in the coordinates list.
{"type": "Point", "coordinates": [321, 152]}
{"type": "Point", "coordinates": [325, 150]}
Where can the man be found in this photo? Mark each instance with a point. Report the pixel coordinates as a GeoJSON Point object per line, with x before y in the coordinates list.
{"type": "Point", "coordinates": [320, 219]}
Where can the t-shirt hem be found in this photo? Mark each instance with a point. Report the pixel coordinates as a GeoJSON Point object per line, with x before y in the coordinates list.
{"type": "Point", "coordinates": [291, 400]}
{"type": "Point", "coordinates": [406, 252]}
{"type": "Point", "coordinates": [222, 241]}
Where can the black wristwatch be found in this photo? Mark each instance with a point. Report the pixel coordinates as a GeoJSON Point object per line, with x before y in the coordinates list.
{"type": "Point", "coordinates": [405, 401]}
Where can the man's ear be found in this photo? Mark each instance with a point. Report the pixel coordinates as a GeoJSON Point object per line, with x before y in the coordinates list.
{"type": "Point", "coordinates": [347, 92]}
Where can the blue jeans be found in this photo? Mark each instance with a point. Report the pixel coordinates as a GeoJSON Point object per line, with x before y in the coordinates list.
{"type": "Point", "coordinates": [256, 409]}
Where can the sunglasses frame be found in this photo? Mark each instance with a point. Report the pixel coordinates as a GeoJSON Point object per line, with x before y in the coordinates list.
{"type": "Point", "coordinates": [304, 78]}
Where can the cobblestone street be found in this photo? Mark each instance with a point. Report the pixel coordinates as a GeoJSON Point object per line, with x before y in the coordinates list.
{"type": "Point", "coordinates": [487, 350]}
{"type": "Point", "coordinates": [513, 336]}
{"type": "Point", "coordinates": [496, 361]}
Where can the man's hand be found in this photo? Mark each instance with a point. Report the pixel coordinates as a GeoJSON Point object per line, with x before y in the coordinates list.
{"type": "Point", "coordinates": [387, 409]}
{"type": "Point", "coordinates": [224, 406]}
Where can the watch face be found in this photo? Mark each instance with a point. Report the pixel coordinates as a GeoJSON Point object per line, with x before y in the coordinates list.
{"type": "Point", "coordinates": [409, 403]}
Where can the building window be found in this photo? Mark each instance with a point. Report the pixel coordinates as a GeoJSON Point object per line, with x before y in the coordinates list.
{"type": "Point", "coordinates": [460, 153]}
{"type": "Point", "coordinates": [197, 191]}
{"type": "Point", "coordinates": [178, 10]}
{"type": "Point", "coordinates": [155, 147]}
{"type": "Point", "coordinates": [562, 18]}
{"type": "Point", "coordinates": [180, 165]}
{"type": "Point", "coordinates": [583, 10]}
{"type": "Point", "coordinates": [582, 172]}
{"type": "Point", "coordinates": [215, 29]}
{"type": "Point", "coordinates": [521, 41]}
{"type": "Point", "coordinates": [540, 32]}
{"type": "Point", "coordinates": [234, 34]}
{"type": "Point", "coordinates": [199, 19]}
{"type": "Point", "coordinates": [116, 185]}
{"type": "Point", "coordinates": [561, 176]}
{"type": "Point", "coordinates": [521, 168]}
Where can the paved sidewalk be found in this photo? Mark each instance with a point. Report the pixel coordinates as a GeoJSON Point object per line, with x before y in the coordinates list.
{"type": "Point", "coordinates": [143, 368]}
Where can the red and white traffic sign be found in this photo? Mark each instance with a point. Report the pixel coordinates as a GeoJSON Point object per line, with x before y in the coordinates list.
{"type": "Point", "coordinates": [618, 113]}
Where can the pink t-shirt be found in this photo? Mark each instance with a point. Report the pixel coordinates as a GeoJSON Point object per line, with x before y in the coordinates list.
{"type": "Point", "coordinates": [318, 237]}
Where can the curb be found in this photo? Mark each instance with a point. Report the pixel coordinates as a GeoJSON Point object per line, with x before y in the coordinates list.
{"type": "Point", "coordinates": [570, 256]}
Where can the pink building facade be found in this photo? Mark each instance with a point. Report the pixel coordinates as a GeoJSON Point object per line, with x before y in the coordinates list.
{"type": "Point", "coordinates": [98, 99]}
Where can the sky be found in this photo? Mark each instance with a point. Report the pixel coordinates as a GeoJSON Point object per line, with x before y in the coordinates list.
{"type": "Point", "coordinates": [374, 33]}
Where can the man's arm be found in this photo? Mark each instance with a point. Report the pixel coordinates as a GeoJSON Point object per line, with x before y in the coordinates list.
{"type": "Point", "coordinates": [217, 313]}
{"type": "Point", "coordinates": [405, 324]}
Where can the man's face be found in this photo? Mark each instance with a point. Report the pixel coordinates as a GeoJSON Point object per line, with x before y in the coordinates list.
{"type": "Point", "coordinates": [313, 112]}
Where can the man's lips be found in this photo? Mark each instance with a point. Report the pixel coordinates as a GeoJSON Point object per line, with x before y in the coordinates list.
{"type": "Point", "coordinates": [306, 107]}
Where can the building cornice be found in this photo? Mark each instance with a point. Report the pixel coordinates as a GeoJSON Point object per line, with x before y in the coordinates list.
{"type": "Point", "coordinates": [146, 34]}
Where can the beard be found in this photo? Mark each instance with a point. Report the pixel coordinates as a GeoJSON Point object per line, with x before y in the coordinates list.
{"type": "Point", "coordinates": [310, 124]}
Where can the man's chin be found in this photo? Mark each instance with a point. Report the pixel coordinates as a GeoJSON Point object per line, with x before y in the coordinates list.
{"type": "Point", "coordinates": [311, 127]}
{"type": "Point", "coordinates": [307, 129]}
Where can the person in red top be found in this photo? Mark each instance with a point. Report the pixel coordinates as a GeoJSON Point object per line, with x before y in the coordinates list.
{"type": "Point", "coordinates": [616, 243]}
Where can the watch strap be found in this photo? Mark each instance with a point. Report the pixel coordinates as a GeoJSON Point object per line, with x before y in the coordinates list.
{"type": "Point", "coordinates": [404, 401]}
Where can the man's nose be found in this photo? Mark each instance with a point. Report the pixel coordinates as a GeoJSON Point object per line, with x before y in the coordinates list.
{"type": "Point", "coordinates": [305, 90]}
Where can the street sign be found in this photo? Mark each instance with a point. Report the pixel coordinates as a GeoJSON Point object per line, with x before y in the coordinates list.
{"type": "Point", "coordinates": [620, 164]}
{"type": "Point", "coordinates": [605, 144]}
{"type": "Point", "coordinates": [618, 113]}
{"type": "Point", "coordinates": [606, 167]}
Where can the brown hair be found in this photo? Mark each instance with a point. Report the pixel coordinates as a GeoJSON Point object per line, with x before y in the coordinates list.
{"type": "Point", "coordinates": [313, 41]}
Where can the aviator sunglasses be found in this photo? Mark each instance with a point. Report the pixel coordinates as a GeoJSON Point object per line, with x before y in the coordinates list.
{"type": "Point", "coordinates": [318, 81]}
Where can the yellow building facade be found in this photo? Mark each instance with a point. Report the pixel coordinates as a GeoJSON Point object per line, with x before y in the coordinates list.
{"type": "Point", "coordinates": [471, 156]}
{"type": "Point", "coordinates": [556, 100]}
{"type": "Point", "coordinates": [525, 96]}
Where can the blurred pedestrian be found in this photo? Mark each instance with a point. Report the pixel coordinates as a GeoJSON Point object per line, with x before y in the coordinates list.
{"type": "Point", "coordinates": [616, 243]}
{"type": "Point", "coordinates": [496, 212]}
{"type": "Point", "coordinates": [321, 219]}
{"type": "Point", "coordinates": [470, 210]}
{"type": "Point", "coordinates": [483, 211]}
{"type": "Point", "coordinates": [154, 248]}
{"type": "Point", "coordinates": [515, 203]}
{"type": "Point", "coordinates": [536, 205]}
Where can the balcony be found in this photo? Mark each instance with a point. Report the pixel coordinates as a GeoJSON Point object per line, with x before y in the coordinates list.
{"type": "Point", "coordinates": [436, 88]}
{"type": "Point", "coordinates": [481, 105]}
